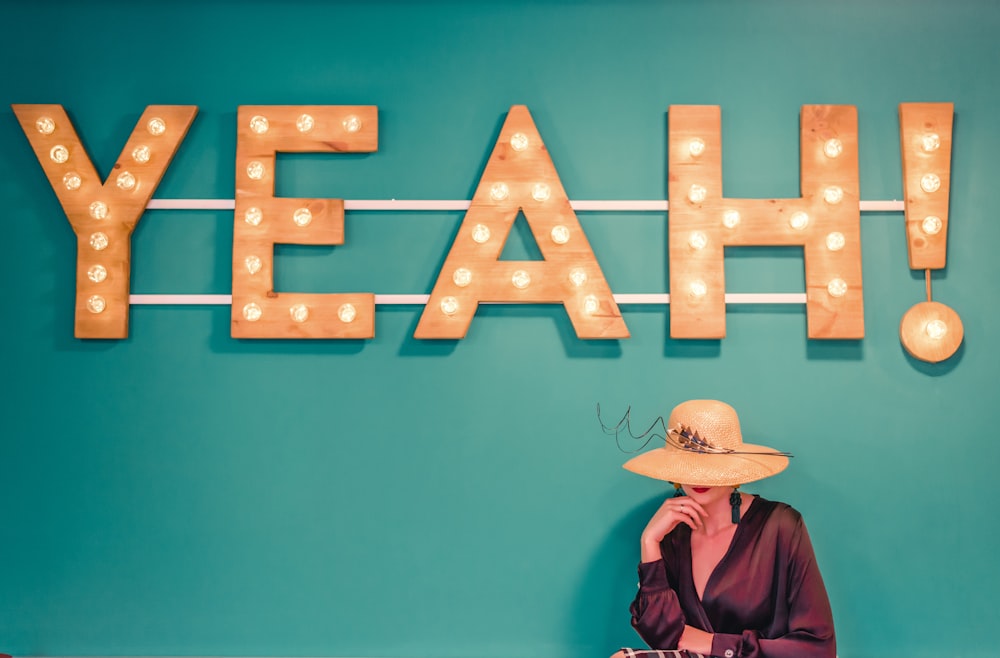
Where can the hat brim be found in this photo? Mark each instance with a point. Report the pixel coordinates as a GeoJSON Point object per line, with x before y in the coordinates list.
{"type": "Point", "coordinates": [708, 470]}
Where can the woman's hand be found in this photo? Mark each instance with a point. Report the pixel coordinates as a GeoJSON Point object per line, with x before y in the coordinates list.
{"type": "Point", "coordinates": [695, 640]}
{"type": "Point", "coordinates": [675, 510]}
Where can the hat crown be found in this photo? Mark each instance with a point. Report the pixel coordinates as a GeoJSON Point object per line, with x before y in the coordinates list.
{"type": "Point", "coordinates": [714, 421]}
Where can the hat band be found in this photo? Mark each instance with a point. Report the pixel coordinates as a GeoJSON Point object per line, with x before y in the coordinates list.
{"type": "Point", "coordinates": [684, 438]}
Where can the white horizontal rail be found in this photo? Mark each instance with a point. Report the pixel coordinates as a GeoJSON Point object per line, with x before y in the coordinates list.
{"type": "Point", "coordinates": [421, 300]}
{"type": "Point", "coordinates": [418, 204]}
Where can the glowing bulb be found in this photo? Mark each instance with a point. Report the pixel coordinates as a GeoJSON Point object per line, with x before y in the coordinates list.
{"type": "Point", "coordinates": [45, 125]}
{"type": "Point", "coordinates": [698, 288]}
{"type": "Point", "coordinates": [252, 312]}
{"type": "Point", "coordinates": [304, 123]}
{"type": "Point", "coordinates": [731, 218]}
{"type": "Point", "coordinates": [559, 234]}
{"type": "Point", "coordinates": [299, 312]}
{"type": "Point", "coordinates": [302, 217]}
{"type": "Point", "coordinates": [833, 147]}
{"type": "Point", "coordinates": [351, 123]}
{"type": "Point", "coordinates": [253, 216]}
{"type": "Point", "coordinates": [697, 240]}
{"type": "Point", "coordinates": [259, 124]}
{"type": "Point", "coordinates": [449, 305]}
{"type": "Point", "coordinates": [541, 192]}
{"type": "Point", "coordinates": [462, 277]}
{"type": "Point", "coordinates": [936, 329]}
{"type": "Point", "coordinates": [520, 279]}
{"type": "Point", "coordinates": [253, 264]}
{"type": "Point", "coordinates": [98, 241]}
{"type": "Point", "coordinates": [347, 313]}
{"type": "Point", "coordinates": [578, 276]}
{"type": "Point", "coordinates": [519, 141]}
{"type": "Point", "coordinates": [833, 194]}
{"type": "Point", "coordinates": [481, 233]}
{"type": "Point", "coordinates": [930, 183]}
{"type": "Point", "coordinates": [697, 194]}
{"type": "Point", "coordinates": [156, 126]}
{"type": "Point", "coordinates": [930, 142]}
{"type": "Point", "coordinates": [141, 154]}
{"type": "Point", "coordinates": [499, 191]}
{"type": "Point", "coordinates": [59, 153]}
{"type": "Point", "coordinates": [255, 170]}
{"type": "Point", "coordinates": [932, 225]}
{"type": "Point", "coordinates": [72, 181]}
{"type": "Point", "coordinates": [799, 220]}
{"type": "Point", "coordinates": [96, 304]}
{"type": "Point", "coordinates": [591, 304]}
{"type": "Point", "coordinates": [837, 287]}
{"type": "Point", "coordinates": [696, 147]}
{"type": "Point", "coordinates": [97, 273]}
{"type": "Point", "coordinates": [125, 181]}
{"type": "Point", "coordinates": [99, 210]}
{"type": "Point", "coordinates": [835, 241]}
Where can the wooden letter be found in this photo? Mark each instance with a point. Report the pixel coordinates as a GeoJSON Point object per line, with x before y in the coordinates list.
{"type": "Point", "coordinates": [520, 177]}
{"type": "Point", "coordinates": [925, 140]}
{"type": "Point", "coordinates": [825, 221]}
{"type": "Point", "coordinates": [262, 220]}
{"type": "Point", "coordinates": [103, 216]}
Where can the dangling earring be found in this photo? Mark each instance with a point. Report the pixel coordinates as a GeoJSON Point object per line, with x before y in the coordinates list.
{"type": "Point", "coordinates": [736, 500]}
{"type": "Point", "coordinates": [678, 492]}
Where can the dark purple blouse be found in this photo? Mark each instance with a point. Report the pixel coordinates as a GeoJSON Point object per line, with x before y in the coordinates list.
{"type": "Point", "coordinates": [765, 599]}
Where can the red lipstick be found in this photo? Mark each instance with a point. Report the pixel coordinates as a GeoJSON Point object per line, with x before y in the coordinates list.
{"type": "Point", "coordinates": [700, 490]}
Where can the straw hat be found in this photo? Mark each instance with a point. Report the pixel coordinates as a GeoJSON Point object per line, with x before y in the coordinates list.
{"type": "Point", "coordinates": [704, 447]}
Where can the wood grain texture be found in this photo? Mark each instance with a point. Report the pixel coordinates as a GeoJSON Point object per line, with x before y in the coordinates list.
{"type": "Point", "coordinates": [925, 136]}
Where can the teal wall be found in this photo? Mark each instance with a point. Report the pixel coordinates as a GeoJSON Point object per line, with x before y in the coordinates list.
{"type": "Point", "coordinates": [184, 493]}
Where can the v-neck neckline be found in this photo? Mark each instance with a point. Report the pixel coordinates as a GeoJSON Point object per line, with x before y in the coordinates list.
{"type": "Point", "coordinates": [725, 556]}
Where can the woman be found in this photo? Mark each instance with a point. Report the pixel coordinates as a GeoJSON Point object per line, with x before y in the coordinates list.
{"type": "Point", "coordinates": [725, 573]}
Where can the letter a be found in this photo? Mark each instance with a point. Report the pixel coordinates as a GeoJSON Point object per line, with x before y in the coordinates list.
{"type": "Point", "coordinates": [520, 177]}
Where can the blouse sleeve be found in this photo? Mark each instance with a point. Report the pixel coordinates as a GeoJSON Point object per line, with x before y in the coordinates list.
{"type": "Point", "coordinates": [656, 612]}
{"type": "Point", "coordinates": [810, 621]}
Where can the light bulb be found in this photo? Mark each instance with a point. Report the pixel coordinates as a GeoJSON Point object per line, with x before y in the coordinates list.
{"type": "Point", "coordinates": [837, 287]}
{"type": "Point", "coordinates": [697, 240]}
{"type": "Point", "coordinates": [304, 123]}
{"type": "Point", "coordinates": [499, 191]}
{"type": "Point", "coordinates": [462, 277]}
{"type": "Point", "coordinates": [696, 147]}
{"type": "Point", "coordinates": [799, 220]}
{"type": "Point", "coordinates": [253, 216]}
{"type": "Point", "coordinates": [698, 289]}
{"type": "Point", "coordinates": [351, 123]}
{"type": "Point", "coordinates": [252, 312]}
{"type": "Point", "coordinates": [96, 304]}
{"type": "Point", "coordinates": [299, 312]}
{"type": "Point", "coordinates": [347, 313]}
{"type": "Point", "coordinates": [519, 141]}
{"type": "Point", "coordinates": [578, 276]}
{"type": "Point", "coordinates": [559, 234]}
{"type": "Point", "coordinates": [930, 183]}
{"type": "Point", "coordinates": [72, 181]}
{"type": "Point", "coordinates": [541, 192]}
{"type": "Point", "coordinates": [141, 154]}
{"type": "Point", "coordinates": [255, 170]}
{"type": "Point", "coordinates": [125, 181]}
{"type": "Point", "coordinates": [99, 210]}
{"type": "Point", "coordinates": [253, 264]}
{"type": "Point", "coordinates": [97, 273]}
{"type": "Point", "coordinates": [932, 225]}
{"type": "Point", "coordinates": [731, 218]}
{"type": "Point", "coordinates": [302, 217]}
{"type": "Point", "coordinates": [833, 194]}
{"type": "Point", "coordinates": [98, 241]}
{"type": "Point", "coordinates": [833, 147]}
{"type": "Point", "coordinates": [449, 305]}
{"type": "Point", "coordinates": [156, 126]}
{"type": "Point", "coordinates": [481, 233]}
{"type": "Point", "coordinates": [45, 125]}
{"type": "Point", "coordinates": [930, 142]}
{"type": "Point", "coordinates": [259, 124]}
{"type": "Point", "coordinates": [835, 241]}
{"type": "Point", "coordinates": [520, 279]}
{"type": "Point", "coordinates": [936, 329]}
{"type": "Point", "coordinates": [697, 194]}
{"type": "Point", "coordinates": [59, 154]}
{"type": "Point", "coordinates": [591, 304]}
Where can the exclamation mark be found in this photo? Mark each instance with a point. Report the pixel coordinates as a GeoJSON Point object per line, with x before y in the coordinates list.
{"type": "Point", "coordinates": [930, 331]}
